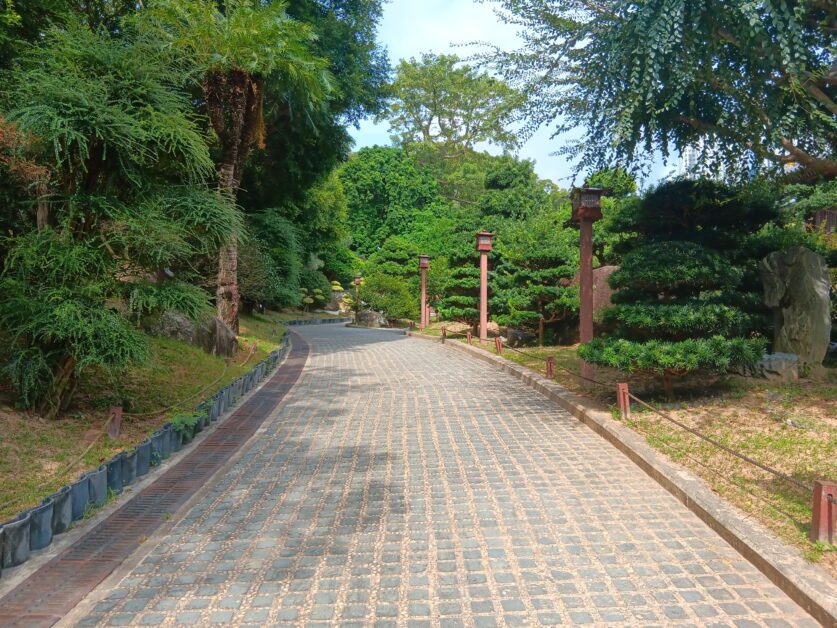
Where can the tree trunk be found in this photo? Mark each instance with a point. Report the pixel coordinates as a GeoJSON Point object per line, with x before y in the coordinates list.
{"type": "Point", "coordinates": [42, 215]}
{"type": "Point", "coordinates": [668, 386]}
{"type": "Point", "coordinates": [540, 332]}
{"type": "Point", "coordinates": [227, 297]}
{"type": "Point", "coordinates": [234, 103]}
{"type": "Point", "coordinates": [64, 385]}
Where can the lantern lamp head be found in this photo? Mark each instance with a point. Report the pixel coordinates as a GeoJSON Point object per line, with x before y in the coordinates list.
{"type": "Point", "coordinates": [424, 262]}
{"type": "Point", "coordinates": [358, 279]}
{"type": "Point", "coordinates": [587, 203]}
{"type": "Point", "coordinates": [484, 241]}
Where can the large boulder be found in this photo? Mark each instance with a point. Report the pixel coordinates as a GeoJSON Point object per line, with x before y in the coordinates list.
{"type": "Point", "coordinates": [215, 337]}
{"type": "Point", "coordinates": [796, 287]}
{"type": "Point", "coordinates": [602, 292]}
{"type": "Point", "coordinates": [212, 334]}
{"type": "Point", "coordinates": [371, 318]}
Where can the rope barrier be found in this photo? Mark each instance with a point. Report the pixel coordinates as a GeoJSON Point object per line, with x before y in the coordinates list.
{"type": "Point", "coordinates": [723, 447]}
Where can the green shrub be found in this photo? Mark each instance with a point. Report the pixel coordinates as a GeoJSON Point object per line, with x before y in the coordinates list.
{"type": "Point", "coordinates": [687, 299]}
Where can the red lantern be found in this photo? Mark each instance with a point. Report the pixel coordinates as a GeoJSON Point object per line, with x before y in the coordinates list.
{"type": "Point", "coordinates": [484, 241]}
{"type": "Point", "coordinates": [587, 203]}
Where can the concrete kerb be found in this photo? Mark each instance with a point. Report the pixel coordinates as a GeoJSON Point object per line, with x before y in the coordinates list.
{"type": "Point", "coordinates": [316, 321]}
{"type": "Point", "coordinates": [392, 330]}
{"type": "Point", "coordinates": [14, 576]}
{"type": "Point", "coordinates": [810, 587]}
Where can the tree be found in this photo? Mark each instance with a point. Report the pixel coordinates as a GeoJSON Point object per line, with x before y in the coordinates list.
{"type": "Point", "coordinates": [304, 145]}
{"type": "Point", "coordinates": [439, 99]}
{"type": "Point", "coordinates": [683, 301]}
{"type": "Point", "coordinates": [119, 140]}
{"type": "Point", "coordinates": [539, 258]}
{"type": "Point", "coordinates": [387, 193]}
{"type": "Point", "coordinates": [234, 50]}
{"type": "Point", "coordinates": [745, 82]}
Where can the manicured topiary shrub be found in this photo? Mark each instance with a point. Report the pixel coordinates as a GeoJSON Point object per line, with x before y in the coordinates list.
{"type": "Point", "coordinates": [684, 301]}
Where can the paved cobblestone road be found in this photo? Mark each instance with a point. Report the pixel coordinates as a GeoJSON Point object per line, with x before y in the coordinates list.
{"type": "Point", "coordinates": [403, 483]}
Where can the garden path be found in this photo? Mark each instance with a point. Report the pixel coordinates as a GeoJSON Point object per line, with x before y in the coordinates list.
{"type": "Point", "coordinates": [403, 483]}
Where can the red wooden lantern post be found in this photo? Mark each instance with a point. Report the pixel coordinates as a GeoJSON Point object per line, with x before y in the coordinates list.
{"type": "Point", "coordinates": [484, 246]}
{"type": "Point", "coordinates": [358, 279]}
{"type": "Point", "coordinates": [424, 265]}
{"type": "Point", "coordinates": [587, 209]}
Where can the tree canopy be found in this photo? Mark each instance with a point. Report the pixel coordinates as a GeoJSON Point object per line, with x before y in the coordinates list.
{"type": "Point", "coordinates": [745, 83]}
{"type": "Point", "coordinates": [438, 98]}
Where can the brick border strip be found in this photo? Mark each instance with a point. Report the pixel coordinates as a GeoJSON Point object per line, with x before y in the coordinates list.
{"type": "Point", "coordinates": [810, 587]}
{"type": "Point", "coordinates": [56, 588]}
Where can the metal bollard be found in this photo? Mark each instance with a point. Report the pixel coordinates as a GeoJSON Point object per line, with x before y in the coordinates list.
{"type": "Point", "coordinates": [498, 344]}
{"type": "Point", "coordinates": [623, 401]}
{"type": "Point", "coordinates": [550, 367]}
{"type": "Point", "coordinates": [824, 515]}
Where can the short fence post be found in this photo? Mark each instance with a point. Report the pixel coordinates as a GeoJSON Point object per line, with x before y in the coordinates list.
{"type": "Point", "coordinates": [469, 336]}
{"type": "Point", "coordinates": [498, 343]}
{"type": "Point", "coordinates": [623, 401]}
{"type": "Point", "coordinates": [824, 515]}
{"type": "Point", "coordinates": [550, 367]}
{"type": "Point", "coordinates": [444, 334]}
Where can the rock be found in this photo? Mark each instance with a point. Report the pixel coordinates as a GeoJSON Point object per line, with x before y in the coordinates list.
{"type": "Point", "coordinates": [212, 335]}
{"type": "Point", "coordinates": [170, 325]}
{"type": "Point", "coordinates": [371, 318]}
{"type": "Point", "coordinates": [779, 367]}
{"type": "Point", "coordinates": [796, 287]}
{"type": "Point", "coordinates": [519, 338]}
{"type": "Point", "coordinates": [602, 292]}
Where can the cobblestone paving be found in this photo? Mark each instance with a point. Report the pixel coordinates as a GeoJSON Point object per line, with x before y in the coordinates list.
{"type": "Point", "coordinates": [403, 483]}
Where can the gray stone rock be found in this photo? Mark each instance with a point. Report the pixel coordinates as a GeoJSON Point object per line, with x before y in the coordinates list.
{"type": "Point", "coordinates": [779, 367]}
{"type": "Point", "coordinates": [796, 287]}
{"type": "Point", "coordinates": [170, 325]}
{"type": "Point", "coordinates": [211, 335]}
{"type": "Point", "coordinates": [520, 338]}
{"type": "Point", "coordinates": [370, 318]}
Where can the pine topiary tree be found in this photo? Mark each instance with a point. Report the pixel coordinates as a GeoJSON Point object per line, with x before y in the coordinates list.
{"type": "Point", "coordinates": [539, 258]}
{"type": "Point", "coordinates": [684, 303]}
{"type": "Point", "coordinates": [461, 290]}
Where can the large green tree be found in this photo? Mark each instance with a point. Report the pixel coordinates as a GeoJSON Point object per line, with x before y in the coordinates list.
{"type": "Point", "coordinates": [539, 257]}
{"type": "Point", "coordinates": [120, 140]}
{"type": "Point", "coordinates": [233, 50]}
{"type": "Point", "coordinates": [387, 194]}
{"type": "Point", "coordinates": [747, 82]}
{"type": "Point", "coordinates": [438, 98]}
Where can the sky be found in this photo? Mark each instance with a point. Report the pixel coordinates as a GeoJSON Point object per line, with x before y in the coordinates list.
{"type": "Point", "coordinates": [411, 27]}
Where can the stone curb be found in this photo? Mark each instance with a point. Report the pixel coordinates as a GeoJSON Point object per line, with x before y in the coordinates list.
{"type": "Point", "coordinates": [810, 587]}
{"type": "Point", "coordinates": [315, 321]}
{"type": "Point", "coordinates": [392, 330]}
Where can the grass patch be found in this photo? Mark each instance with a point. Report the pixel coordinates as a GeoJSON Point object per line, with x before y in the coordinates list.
{"type": "Point", "coordinates": [791, 427]}
{"type": "Point", "coordinates": [37, 457]}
